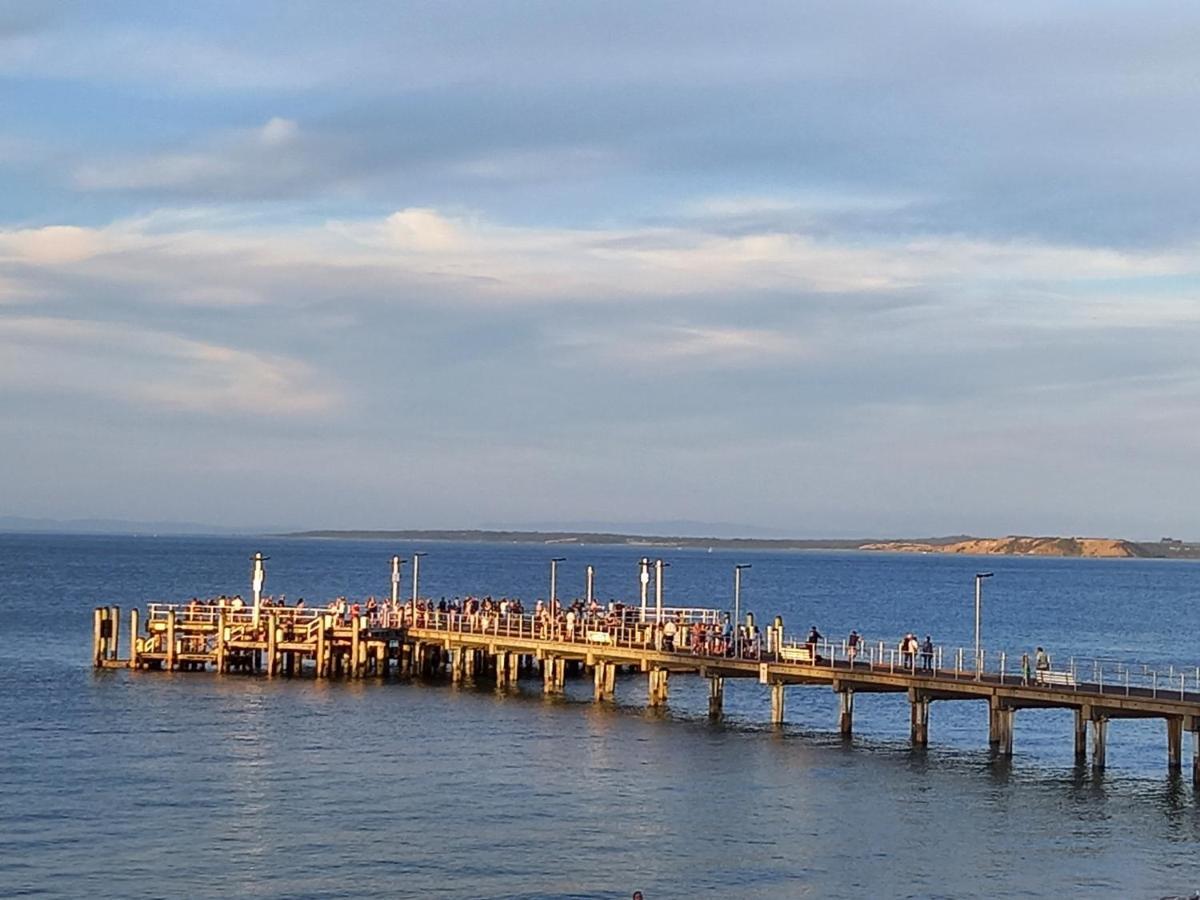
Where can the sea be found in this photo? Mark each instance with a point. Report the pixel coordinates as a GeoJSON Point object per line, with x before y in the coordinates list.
{"type": "Point", "coordinates": [140, 784]}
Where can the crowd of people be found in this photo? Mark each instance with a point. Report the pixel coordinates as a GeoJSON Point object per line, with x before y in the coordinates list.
{"type": "Point", "coordinates": [591, 621]}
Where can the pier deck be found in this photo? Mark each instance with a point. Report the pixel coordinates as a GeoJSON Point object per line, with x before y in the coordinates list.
{"type": "Point", "coordinates": [418, 641]}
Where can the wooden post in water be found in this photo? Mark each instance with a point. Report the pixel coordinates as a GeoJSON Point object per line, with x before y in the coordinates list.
{"type": "Point", "coordinates": [716, 696]}
{"type": "Point", "coordinates": [322, 663]}
{"type": "Point", "coordinates": [170, 639]}
{"type": "Point", "coordinates": [1099, 741]}
{"type": "Point", "coordinates": [114, 647]}
{"type": "Point", "coordinates": [1081, 719]}
{"type": "Point", "coordinates": [1174, 743]}
{"type": "Point", "coordinates": [133, 638]}
{"type": "Point", "coordinates": [98, 636]}
{"type": "Point", "coordinates": [918, 718]}
{"type": "Point", "coordinates": [777, 704]}
{"type": "Point", "coordinates": [354, 640]}
{"type": "Point", "coordinates": [222, 638]}
{"type": "Point", "coordinates": [272, 644]}
{"type": "Point", "coordinates": [846, 712]}
{"type": "Point", "coordinates": [360, 627]}
{"type": "Point", "coordinates": [1195, 752]}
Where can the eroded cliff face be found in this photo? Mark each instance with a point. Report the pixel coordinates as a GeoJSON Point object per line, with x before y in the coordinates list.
{"type": "Point", "coordinates": [1020, 546]}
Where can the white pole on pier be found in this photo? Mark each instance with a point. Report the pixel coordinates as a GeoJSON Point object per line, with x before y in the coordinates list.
{"type": "Point", "coordinates": [416, 583]}
{"type": "Point", "coordinates": [257, 579]}
{"type": "Point", "coordinates": [397, 562]}
{"type": "Point", "coordinates": [645, 580]}
{"type": "Point", "coordinates": [979, 576]}
{"type": "Point", "coordinates": [554, 583]}
{"type": "Point", "coordinates": [591, 583]}
{"type": "Point", "coordinates": [658, 589]}
{"type": "Point", "coordinates": [737, 608]}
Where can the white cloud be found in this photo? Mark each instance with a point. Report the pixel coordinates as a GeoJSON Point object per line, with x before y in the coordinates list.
{"type": "Point", "coordinates": [156, 370]}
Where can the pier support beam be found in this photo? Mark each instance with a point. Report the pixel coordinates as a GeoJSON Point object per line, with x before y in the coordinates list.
{"type": "Point", "coordinates": [170, 639]}
{"type": "Point", "coordinates": [659, 681]}
{"type": "Point", "coordinates": [918, 718]}
{"type": "Point", "coordinates": [605, 674]}
{"type": "Point", "coordinates": [716, 696]}
{"type": "Point", "coordinates": [1174, 743]}
{"type": "Point", "coordinates": [322, 653]}
{"type": "Point", "coordinates": [777, 705]}
{"type": "Point", "coordinates": [1099, 742]}
{"type": "Point", "coordinates": [133, 638]}
{"type": "Point", "coordinates": [1000, 728]}
{"type": "Point", "coordinates": [272, 644]}
{"type": "Point", "coordinates": [1081, 719]}
{"type": "Point", "coordinates": [1195, 756]}
{"type": "Point", "coordinates": [846, 712]}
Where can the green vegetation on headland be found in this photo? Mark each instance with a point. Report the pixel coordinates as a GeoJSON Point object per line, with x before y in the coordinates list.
{"type": "Point", "coordinates": [1010, 546]}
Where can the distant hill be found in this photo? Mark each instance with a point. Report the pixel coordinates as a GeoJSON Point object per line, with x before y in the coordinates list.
{"type": "Point", "coordinates": [965, 544]}
{"type": "Point", "coordinates": [1014, 545]}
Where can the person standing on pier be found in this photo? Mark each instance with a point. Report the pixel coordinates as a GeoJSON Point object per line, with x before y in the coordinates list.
{"type": "Point", "coordinates": [1041, 660]}
{"type": "Point", "coordinates": [852, 643]}
{"type": "Point", "coordinates": [811, 642]}
{"type": "Point", "coordinates": [1025, 668]}
{"type": "Point", "coordinates": [927, 654]}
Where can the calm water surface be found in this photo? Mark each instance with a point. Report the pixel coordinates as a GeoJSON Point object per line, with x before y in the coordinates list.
{"type": "Point", "coordinates": [119, 784]}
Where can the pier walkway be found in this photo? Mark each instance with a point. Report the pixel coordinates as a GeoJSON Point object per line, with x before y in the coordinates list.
{"type": "Point", "coordinates": [415, 639]}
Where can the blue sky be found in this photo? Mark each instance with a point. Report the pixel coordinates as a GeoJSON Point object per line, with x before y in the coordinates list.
{"type": "Point", "coordinates": [817, 268]}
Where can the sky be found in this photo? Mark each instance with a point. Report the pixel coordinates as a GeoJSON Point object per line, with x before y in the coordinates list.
{"type": "Point", "coordinates": [812, 269]}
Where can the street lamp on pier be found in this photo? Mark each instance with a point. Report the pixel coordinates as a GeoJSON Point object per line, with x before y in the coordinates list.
{"type": "Point", "coordinates": [554, 582]}
{"type": "Point", "coordinates": [416, 583]}
{"type": "Point", "coordinates": [737, 608]}
{"type": "Point", "coordinates": [659, 565]}
{"type": "Point", "coordinates": [397, 563]}
{"type": "Point", "coordinates": [644, 578]}
{"type": "Point", "coordinates": [979, 576]}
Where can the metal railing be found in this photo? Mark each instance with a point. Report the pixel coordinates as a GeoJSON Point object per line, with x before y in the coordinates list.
{"type": "Point", "coordinates": [700, 633]}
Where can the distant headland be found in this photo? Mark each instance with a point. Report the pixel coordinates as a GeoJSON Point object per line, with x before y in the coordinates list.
{"type": "Point", "coordinates": [1013, 545]}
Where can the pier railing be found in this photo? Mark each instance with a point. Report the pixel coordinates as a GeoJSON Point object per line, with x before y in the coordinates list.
{"type": "Point", "coordinates": [699, 632]}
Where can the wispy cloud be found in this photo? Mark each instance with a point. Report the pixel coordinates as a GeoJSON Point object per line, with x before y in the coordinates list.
{"type": "Point", "coordinates": [154, 370]}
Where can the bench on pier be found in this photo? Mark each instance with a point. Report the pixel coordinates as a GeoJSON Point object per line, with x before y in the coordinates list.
{"type": "Point", "coordinates": [1046, 676]}
{"type": "Point", "coordinates": [599, 637]}
{"type": "Point", "coordinates": [797, 654]}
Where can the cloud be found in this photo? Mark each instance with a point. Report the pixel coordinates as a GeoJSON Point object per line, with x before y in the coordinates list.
{"type": "Point", "coordinates": [154, 370]}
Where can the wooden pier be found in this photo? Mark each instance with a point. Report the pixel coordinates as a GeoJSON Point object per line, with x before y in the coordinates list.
{"type": "Point", "coordinates": [416, 640]}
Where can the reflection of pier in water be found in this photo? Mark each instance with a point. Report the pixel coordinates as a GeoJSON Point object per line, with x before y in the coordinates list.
{"type": "Point", "coordinates": [413, 639]}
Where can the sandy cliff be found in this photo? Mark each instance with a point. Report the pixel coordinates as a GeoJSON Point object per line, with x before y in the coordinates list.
{"type": "Point", "coordinates": [1019, 546]}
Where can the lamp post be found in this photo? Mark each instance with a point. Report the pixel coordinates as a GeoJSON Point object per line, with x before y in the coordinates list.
{"type": "Point", "coordinates": [737, 608]}
{"type": "Point", "coordinates": [659, 565]}
{"type": "Point", "coordinates": [591, 584]}
{"type": "Point", "coordinates": [257, 577]}
{"type": "Point", "coordinates": [979, 576]}
{"type": "Point", "coordinates": [416, 583]}
{"type": "Point", "coordinates": [397, 562]}
{"type": "Point", "coordinates": [554, 582]}
{"type": "Point", "coordinates": [644, 578]}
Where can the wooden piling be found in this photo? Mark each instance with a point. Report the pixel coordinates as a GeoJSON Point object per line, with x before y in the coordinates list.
{"type": "Point", "coordinates": [1174, 743]}
{"type": "Point", "coordinates": [170, 639]}
{"type": "Point", "coordinates": [1099, 741]}
{"type": "Point", "coordinates": [114, 646]}
{"type": "Point", "coordinates": [846, 712]}
{"type": "Point", "coordinates": [321, 651]}
{"type": "Point", "coordinates": [133, 638]}
{"type": "Point", "coordinates": [272, 644]}
{"type": "Point", "coordinates": [355, 639]}
{"type": "Point", "coordinates": [1081, 719]}
{"type": "Point", "coordinates": [98, 637]}
{"type": "Point", "coordinates": [716, 695]}
{"type": "Point", "coordinates": [918, 718]}
{"type": "Point", "coordinates": [777, 703]}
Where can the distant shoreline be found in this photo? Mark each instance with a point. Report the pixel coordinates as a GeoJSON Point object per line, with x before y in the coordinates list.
{"type": "Point", "coordinates": [1055, 547]}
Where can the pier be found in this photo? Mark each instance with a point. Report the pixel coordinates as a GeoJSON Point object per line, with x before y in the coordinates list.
{"type": "Point", "coordinates": [415, 639]}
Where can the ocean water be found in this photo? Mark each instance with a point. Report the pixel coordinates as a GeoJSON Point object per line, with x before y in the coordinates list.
{"type": "Point", "coordinates": [122, 784]}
